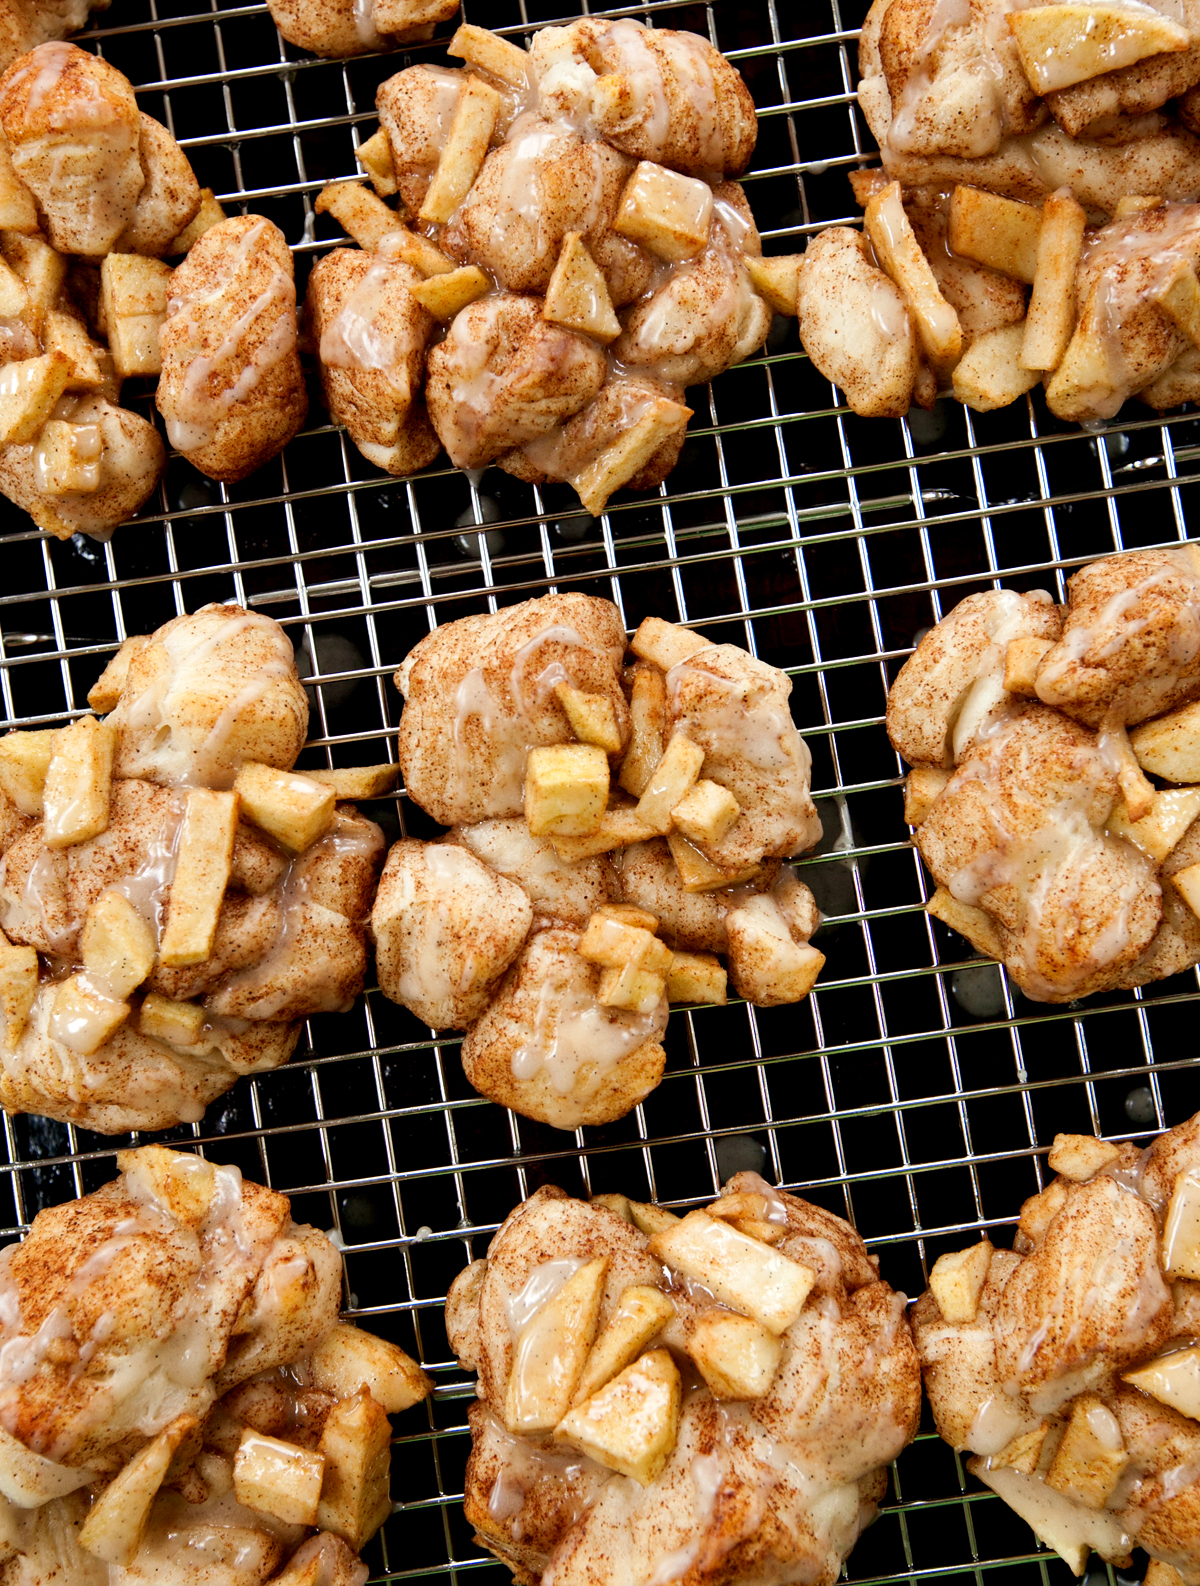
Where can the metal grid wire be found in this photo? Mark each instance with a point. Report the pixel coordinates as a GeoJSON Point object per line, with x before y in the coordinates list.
{"type": "Point", "coordinates": [912, 1093]}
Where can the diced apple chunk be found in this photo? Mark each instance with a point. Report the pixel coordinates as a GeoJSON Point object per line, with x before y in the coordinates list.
{"type": "Point", "coordinates": [1091, 1455]}
{"type": "Point", "coordinates": [1064, 44]}
{"type": "Point", "coordinates": [699, 874]}
{"type": "Point", "coordinates": [360, 213]}
{"type": "Point", "coordinates": [614, 944]}
{"type": "Point", "coordinates": [647, 721]}
{"type": "Point", "coordinates": [356, 1446]}
{"type": "Point", "coordinates": [64, 333]}
{"type": "Point", "coordinates": [1170, 746]}
{"type": "Point", "coordinates": [1187, 883]}
{"type": "Point", "coordinates": [673, 776]}
{"type": "Point", "coordinates": [1179, 298]}
{"type": "Point", "coordinates": [447, 294]}
{"type": "Point", "coordinates": [754, 1228]}
{"type": "Point", "coordinates": [42, 268]}
{"type": "Point", "coordinates": [83, 1018]}
{"type": "Point", "coordinates": [348, 1359]}
{"type": "Point", "coordinates": [24, 760]}
{"type": "Point", "coordinates": [737, 1357]}
{"type": "Point", "coordinates": [1022, 659]}
{"type": "Point", "coordinates": [1080, 1157]}
{"type": "Point", "coordinates": [1171, 813]}
{"type": "Point", "coordinates": [78, 787]}
{"type": "Point", "coordinates": [641, 1314]}
{"type": "Point", "coordinates": [18, 988]}
{"type": "Point", "coordinates": [181, 1183]}
{"type": "Point", "coordinates": [176, 1024]}
{"type": "Point", "coordinates": [592, 717]}
{"type": "Point", "coordinates": [990, 374]}
{"type": "Point", "coordinates": [324, 1560]}
{"type": "Point", "coordinates": [1160, 1574]}
{"type": "Point", "coordinates": [549, 1355]}
{"type": "Point", "coordinates": [618, 828]}
{"type": "Point", "coordinates": [492, 54]}
{"type": "Point", "coordinates": [706, 812]}
{"type": "Point", "coordinates": [899, 252]}
{"type": "Point", "coordinates": [357, 782]}
{"type": "Point", "coordinates": [627, 986]}
{"type": "Point", "coordinates": [1172, 1379]}
{"type": "Point", "coordinates": [1051, 317]}
{"type": "Point", "coordinates": [995, 231]}
{"type": "Point", "coordinates": [133, 298]}
{"type": "Point", "coordinates": [697, 977]}
{"type": "Point", "coordinates": [278, 1478]}
{"type": "Point", "coordinates": [289, 806]}
{"type": "Point", "coordinates": [741, 1272]}
{"type": "Point", "coordinates": [566, 789]}
{"type": "Point", "coordinates": [18, 212]}
{"type": "Point", "coordinates": [651, 1219]}
{"type": "Point", "coordinates": [577, 297]}
{"type": "Point", "coordinates": [631, 1424]}
{"type": "Point", "coordinates": [14, 296]}
{"type": "Point", "coordinates": [117, 945]}
{"type": "Point", "coordinates": [665, 212]}
{"type": "Point", "coordinates": [665, 644]}
{"type": "Point", "coordinates": [414, 249]}
{"type": "Point", "coordinates": [1024, 1452]}
{"type": "Point", "coordinates": [615, 1203]}
{"type": "Point", "coordinates": [204, 861]}
{"type": "Point", "coordinates": [115, 1522]}
{"type": "Point", "coordinates": [463, 152]}
{"type": "Point", "coordinates": [1181, 1231]}
{"type": "Point", "coordinates": [777, 281]}
{"type": "Point", "coordinates": [731, 1208]}
{"type": "Point", "coordinates": [957, 1280]}
{"type": "Point", "coordinates": [923, 786]}
{"type": "Point", "coordinates": [609, 470]}
{"type": "Point", "coordinates": [107, 689]}
{"type": "Point", "coordinates": [375, 157]}
{"type": "Point", "coordinates": [29, 389]}
{"type": "Point", "coordinates": [629, 914]}
{"type": "Point", "coordinates": [975, 924]}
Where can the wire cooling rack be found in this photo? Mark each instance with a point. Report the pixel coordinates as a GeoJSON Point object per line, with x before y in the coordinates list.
{"type": "Point", "coordinates": [916, 1091]}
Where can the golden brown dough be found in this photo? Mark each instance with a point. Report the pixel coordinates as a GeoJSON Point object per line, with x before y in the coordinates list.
{"type": "Point", "coordinates": [72, 127]}
{"type": "Point", "coordinates": [231, 390]}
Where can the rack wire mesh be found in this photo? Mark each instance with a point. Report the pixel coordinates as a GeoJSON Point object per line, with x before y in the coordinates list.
{"type": "Point", "coordinates": [916, 1091]}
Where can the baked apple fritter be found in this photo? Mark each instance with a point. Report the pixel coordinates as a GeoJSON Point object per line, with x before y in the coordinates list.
{"type": "Point", "coordinates": [1033, 731]}
{"type": "Point", "coordinates": [613, 828]}
{"type": "Point", "coordinates": [1022, 147]}
{"type": "Point", "coordinates": [1068, 1366]}
{"type": "Point", "coordinates": [709, 1397]}
{"type": "Point", "coordinates": [175, 1385]}
{"type": "Point", "coordinates": [174, 899]}
{"type": "Point", "coordinates": [571, 218]}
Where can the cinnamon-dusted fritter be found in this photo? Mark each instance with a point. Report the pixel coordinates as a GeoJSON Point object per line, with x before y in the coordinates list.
{"type": "Point", "coordinates": [155, 1333]}
{"type": "Point", "coordinates": [1064, 1365]}
{"type": "Point", "coordinates": [231, 389]}
{"type": "Point", "coordinates": [778, 1481]}
{"type": "Point", "coordinates": [1051, 848]}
